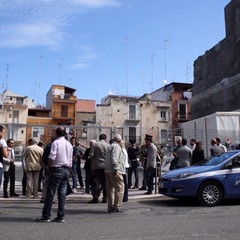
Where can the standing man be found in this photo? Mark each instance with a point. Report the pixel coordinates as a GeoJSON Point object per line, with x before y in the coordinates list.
{"type": "Point", "coordinates": [134, 158]}
{"type": "Point", "coordinates": [98, 156]}
{"type": "Point", "coordinates": [219, 143]}
{"type": "Point", "coordinates": [59, 163]}
{"type": "Point", "coordinates": [33, 164]}
{"type": "Point", "coordinates": [76, 153]}
{"type": "Point", "coordinates": [216, 150]}
{"type": "Point", "coordinates": [114, 169]}
{"type": "Point", "coordinates": [151, 162]}
{"type": "Point", "coordinates": [3, 153]}
{"type": "Point", "coordinates": [9, 171]}
{"type": "Point", "coordinates": [184, 154]}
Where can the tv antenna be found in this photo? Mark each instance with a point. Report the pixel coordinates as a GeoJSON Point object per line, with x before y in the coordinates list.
{"type": "Point", "coordinates": [152, 57]}
{"type": "Point", "coordinates": [165, 57]}
{"type": "Point", "coordinates": [126, 64]}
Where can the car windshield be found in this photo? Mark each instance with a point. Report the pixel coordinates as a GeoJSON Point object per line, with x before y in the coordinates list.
{"type": "Point", "coordinates": [215, 160]}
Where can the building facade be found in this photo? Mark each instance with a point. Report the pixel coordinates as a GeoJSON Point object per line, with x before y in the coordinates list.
{"type": "Point", "coordinates": [133, 117]}
{"type": "Point", "coordinates": [217, 72]}
{"type": "Point", "coordinates": [179, 95]}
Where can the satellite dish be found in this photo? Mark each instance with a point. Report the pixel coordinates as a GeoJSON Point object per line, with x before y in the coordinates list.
{"type": "Point", "coordinates": [165, 82]}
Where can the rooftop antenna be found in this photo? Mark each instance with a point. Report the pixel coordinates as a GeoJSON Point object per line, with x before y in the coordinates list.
{"type": "Point", "coordinates": [188, 69]}
{"type": "Point", "coordinates": [142, 78]}
{"type": "Point", "coordinates": [60, 70]}
{"type": "Point", "coordinates": [126, 63]}
{"type": "Point", "coordinates": [37, 84]}
{"type": "Point", "coordinates": [152, 56]}
{"type": "Point", "coordinates": [6, 79]}
{"type": "Point", "coordinates": [165, 58]}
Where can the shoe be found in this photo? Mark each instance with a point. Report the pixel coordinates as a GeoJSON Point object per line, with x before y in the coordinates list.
{"type": "Point", "coordinates": [104, 201]}
{"type": "Point", "coordinates": [60, 220]}
{"type": "Point", "coordinates": [14, 195]}
{"type": "Point", "coordinates": [39, 189]}
{"type": "Point", "coordinates": [93, 201]}
{"type": "Point", "coordinates": [142, 188]}
{"type": "Point", "coordinates": [5, 196]}
{"type": "Point", "coordinates": [115, 210]}
{"type": "Point", "coordinates": [135, 187]}
{"type": "Point", "coordinates": [74, 190]}
{"type": "Point", "coordinates": [42, 219]}
{"type": "Point", "coordinates": [3, 212]}
{"type": "Point", "coordinates": [148, 193]}
{"type": "Point", "coordinates": [125, 200]}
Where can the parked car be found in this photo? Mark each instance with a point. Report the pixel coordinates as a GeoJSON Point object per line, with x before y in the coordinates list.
{"type": "Point", "coordinates": [209, 181]}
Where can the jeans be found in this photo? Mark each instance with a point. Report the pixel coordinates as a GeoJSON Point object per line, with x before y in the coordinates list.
{"type": "Point", "coordinates": [1, 171]}
{"type": "Point", "coordinates": [74, 174]}
{"type": "Point", "coordinates": [58, 179]}
{"type": "Point", "coordinates": [150, 175]}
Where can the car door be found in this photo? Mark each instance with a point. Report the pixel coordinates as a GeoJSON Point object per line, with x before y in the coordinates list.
{"type": "Point", "coordinates": [232, 178]}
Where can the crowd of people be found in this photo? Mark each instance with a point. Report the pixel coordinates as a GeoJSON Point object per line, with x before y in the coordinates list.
{"type": "Point", "coordinates": [110, 168]}
{"type": "Point", "coordinates": [185, 156]}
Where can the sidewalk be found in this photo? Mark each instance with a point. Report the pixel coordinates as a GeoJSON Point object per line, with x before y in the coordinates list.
{"type": "Point", "coordinates": [133, 194]}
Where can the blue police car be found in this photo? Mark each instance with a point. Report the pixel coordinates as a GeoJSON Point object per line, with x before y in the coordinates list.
{"type": "Point", "coordinates": [210, 181]}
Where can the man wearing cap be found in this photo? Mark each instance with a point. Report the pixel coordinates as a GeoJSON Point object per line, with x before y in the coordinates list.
{"type": "Point", "coordinates": [151, 162]}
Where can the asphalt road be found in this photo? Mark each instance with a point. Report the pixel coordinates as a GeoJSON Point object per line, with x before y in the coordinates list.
{"type": "Point", "coordinates": [155, 218]}
{"type": "Point", "coordinates": [146, 218]}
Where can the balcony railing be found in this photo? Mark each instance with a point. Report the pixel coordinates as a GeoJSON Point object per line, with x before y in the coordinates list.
{"type": "Point", "coordinates": [63, 115]}
{"type": "Point", "coordinates": [183, 116]}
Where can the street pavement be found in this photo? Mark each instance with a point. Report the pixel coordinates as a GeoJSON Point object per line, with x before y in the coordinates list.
{"type": "Point", "coordinates": [134, 194]}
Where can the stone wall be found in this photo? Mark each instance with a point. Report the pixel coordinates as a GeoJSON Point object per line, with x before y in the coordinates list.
{"type": "Point", "coordinates": [216, 74]}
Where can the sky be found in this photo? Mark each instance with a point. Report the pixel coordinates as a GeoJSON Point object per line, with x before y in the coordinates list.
{"type": "Point", "coordinates": [102, 47]}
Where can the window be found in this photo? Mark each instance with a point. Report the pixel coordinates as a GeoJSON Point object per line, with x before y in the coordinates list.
{"type": "Point", "coordinates": [37, 131]}
{"type": "Point", "coordinates": [182, 111]}
{"type": "Point", "coordinates": [164, 115]}
{"type": "Point", "coordinates": [15, 118]}
{"type": "Point", "coordinates": [64, 111]}
{"type": "Point", "coordinates": [132, 112]}
{"type": "Point", "coordinates": [19, 101]}
{"type": "Point", "coordinates": [164, 136]}
{"type": "Point", "coordinates": [132, 133]}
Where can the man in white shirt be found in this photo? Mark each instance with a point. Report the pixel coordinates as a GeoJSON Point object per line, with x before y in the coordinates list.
{"type": "Point", "coordinates": [3, 154]}
{"type": "Point", "coordinates": [9, 171]}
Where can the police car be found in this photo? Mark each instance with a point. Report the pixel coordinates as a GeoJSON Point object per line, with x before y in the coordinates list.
{"type": "Point", "coordinates": [209, 181]}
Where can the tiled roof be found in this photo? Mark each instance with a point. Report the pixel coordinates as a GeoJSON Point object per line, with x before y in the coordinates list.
{"type": "Point", "coordinates": [86, 105]}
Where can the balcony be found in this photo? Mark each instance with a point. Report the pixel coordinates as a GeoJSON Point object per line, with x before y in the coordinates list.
{"type": "Point", "coordinates": [183, 117]}
{"type": "Point", "coordinates": [132, 120]}
{"type": "Point", "coordinates": [65, 98]}
{"type": "Point", "coordinates": [63, 115]}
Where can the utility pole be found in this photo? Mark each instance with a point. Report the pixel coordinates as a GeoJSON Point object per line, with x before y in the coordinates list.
{"type": "Point", "coordinates": [165, 58]}
{"type": "Point", "coordinates": [152, 56]}
{"type": "Point", "coordinates": [126, 64]}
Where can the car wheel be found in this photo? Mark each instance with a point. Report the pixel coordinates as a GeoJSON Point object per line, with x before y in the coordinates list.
{"type": "Point", "coordinates": [210, 194]}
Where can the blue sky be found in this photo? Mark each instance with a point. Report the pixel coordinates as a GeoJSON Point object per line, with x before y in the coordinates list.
{"type": "Point", "coordinates": [127, 47]}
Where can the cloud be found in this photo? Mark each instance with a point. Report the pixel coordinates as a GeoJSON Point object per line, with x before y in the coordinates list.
{"type": "Point", "coordinates": [35, 34]}
{"type": "Point", "coordinates": [26, 23]}
{"type": "Point", "coordinates": [97, 3]}
{"type": "Point", "coordinates": [85, 58]}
